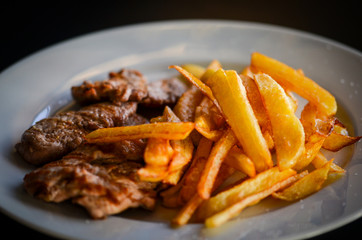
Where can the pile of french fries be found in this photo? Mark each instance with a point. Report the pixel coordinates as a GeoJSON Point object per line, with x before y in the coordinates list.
{"type": "Point", "coordinates": [243, 124]}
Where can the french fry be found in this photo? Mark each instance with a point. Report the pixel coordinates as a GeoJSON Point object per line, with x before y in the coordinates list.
{"type": "Point", "coordinates": [305, 186]}
{"type": "Point", "coordinates": [213, 164]}
{"type": "Point", "coordinates": [322, 129]}
{"type": "Point", "coordinates": [192, 176]}
{"type": "Point", "coordinates": [295, 81]}
{"type": "Point", "coordinates": [250, 186]}
{"type": "Point", "coordinates": [255, 100]}
{"type": "Point", "coordinates": [187, 211]}
{"type": "Point", "coordinates": [235, 209]}
{"type": "Point", "coordinates": [308, 119]}
{"type": "Point", "coordinates": [320, 160]}
{"type": "Point", "coordinates": [238, 160]}
{"type": "Point", "coordinates": [166, 130]}
{"type": "Point", "coordinates": [287, 130]}
{"type": "Point", "coordinates": [230, 92]}
{"type": "Point", "coordinates": [337, 140]}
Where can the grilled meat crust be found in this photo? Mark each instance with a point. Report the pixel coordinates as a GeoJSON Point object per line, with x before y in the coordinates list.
{"type": "Point", "coordinates": [52, 138]}
{"type": "Point", "coordinates": [95, 177]}
{"type": "Point", "coordinates": [130, 85]}
{"type": "Point", "coordinates": [126, 85]}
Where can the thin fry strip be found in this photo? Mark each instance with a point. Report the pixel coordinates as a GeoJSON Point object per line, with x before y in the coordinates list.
{"type": "Point", "coordinates": [238, 160]}
{"type": "Point", "coordinates": [187, 211]}
{"type": "Point", "coordinates": [213, 164]}
{"type": "Point", "coordinates": [236, 208]}
{"type": "Point", "coordinates": [166, 130]}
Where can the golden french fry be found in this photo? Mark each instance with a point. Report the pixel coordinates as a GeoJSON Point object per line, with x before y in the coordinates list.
{"type": "Point", "coordinates": [337, 140]}
{"type": "Point", "coordinates": [287, 130]}
{"type": "Point", "coordinates": [308, 119]}
{"type": "Point", "coordinates": [213, 164]}
{"type": "Point", "coordinates": [255, 100]}
{"type": "Point", "coordinates": [192, 176]}
{"type": "Point", "coordinates": [268, 138]}
{"type": "Point", "coordinates": [320, 160]}
{"type": "Point", "coordinates": [311, 150]}
{"type": "Point", "coordinates": [230, 92]}
{"type": "Point", "coordinates": [235, 209]}
{"type": "Point", "coordinates": [295, 81]}
{"type": "Point", "coordinates": [250, 186]}
{"type": "Point", "coordinates": [305, 186]}
{"type": "Point", "coordinates": [187, 211]}
{"type": "Point", "coordinates": [238, 160]}
{"type": "Point", "coordinates": [166, 130]}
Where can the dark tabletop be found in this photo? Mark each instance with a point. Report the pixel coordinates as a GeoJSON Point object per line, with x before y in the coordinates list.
{"type": "Point", "coordinates": [27, 28]}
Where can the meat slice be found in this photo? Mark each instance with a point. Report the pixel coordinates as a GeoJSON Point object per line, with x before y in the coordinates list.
{"type": "Point", "coordinates": [126, 85]}
{"type": "Point", "coordinates": [94, 177]}
{"type": "Point", "coordinates": [130, 85]}
{"type": "Point", "coordinates": [164, 92]}
{"type": "Point", "coordinates": [52, 138]}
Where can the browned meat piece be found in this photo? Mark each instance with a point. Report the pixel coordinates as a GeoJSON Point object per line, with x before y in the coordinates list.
{"type": "Point", "coordinates": [95, 177]}
{"type": "Point", "coordinates": [126, 85]}
{"type": "Point", "coordinates": [52, 138]}
{"type": "Point", "coordinates": [164, 92]}
{"type": "Point", "coordinates": [130, 85]}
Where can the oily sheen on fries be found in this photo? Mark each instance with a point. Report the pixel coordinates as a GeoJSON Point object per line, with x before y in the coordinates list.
{"type": "Point", "coordinates": [166, 130]}
{"type": "Point", "coordinates": [287, 131]}
{"type": "Point", "coordinates": [295, 81]}
{"type": "Point", "coordinates": [228, 89]}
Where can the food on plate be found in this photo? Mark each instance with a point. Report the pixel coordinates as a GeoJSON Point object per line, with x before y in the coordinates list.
{"type": "Point", "coordinates": [96, 177]}
{"type": "Point", "coordinates": [53, 137]}
{"type": "Point", "coordinates": [295, 81]}
{"type": "Point", "coordinates": [125, 85]}
{"type": "Point", "coordinates": [287, 130]}
{"type": "Point", "coordinates": [209, 152]}
{"type": "Point", "coordinates": [130, 85]}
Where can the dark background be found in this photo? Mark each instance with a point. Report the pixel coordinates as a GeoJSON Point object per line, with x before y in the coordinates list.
{"type": "Point", "coordinates": [27, 28]}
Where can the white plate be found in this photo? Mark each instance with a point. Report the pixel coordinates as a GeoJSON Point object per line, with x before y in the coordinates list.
{"type": "Point", "coordinates": [39, 85]}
